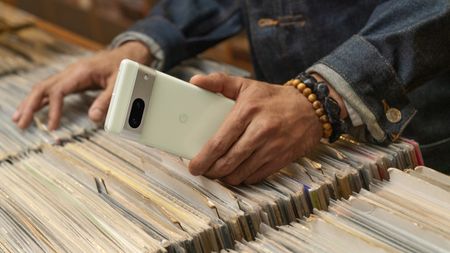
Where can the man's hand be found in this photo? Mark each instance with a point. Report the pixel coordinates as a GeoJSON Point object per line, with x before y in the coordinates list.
{"type": "Point", "coordinates": [96, 72]}
{"type": "Point", "coordinates": [269, 127]}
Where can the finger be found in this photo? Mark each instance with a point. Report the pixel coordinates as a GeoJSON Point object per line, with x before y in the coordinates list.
{"type": "Point", "coordinates": [18, 113]}
{"type": "Point", "coordinates": [99, 108]}
{"type": "Point", "coordinates": [16, 116]}
{"type": "Point", "coordinates": [266, 170]}
{"type": "Point", "coordinates": [250, 166]}
{"type": "Point", "coordinates": [55, 109]}
{"type": "Point", "coordinates": [33, 103]}
{"type": "Point", "coordinates": [36, 99]}
{"type": "Point", "coordinates": [228, 133]}
{"type": "Point", "coordinates": [241, 150]}
{"type": "Point", "coordinates": [228, 86]}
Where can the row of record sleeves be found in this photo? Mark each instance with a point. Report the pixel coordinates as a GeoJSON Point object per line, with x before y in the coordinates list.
{"type": "Point", "coordinates": [101, 193]}
{"type": "Point", "coordinates": [78, 189]}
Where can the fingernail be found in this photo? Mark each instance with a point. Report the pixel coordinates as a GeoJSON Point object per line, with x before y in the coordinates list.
{"type": "Point", "coordinates": [96, 114]}
{"type": "Point", "coordinates": [196, 77]}
{"type": "Point", "coordinates": [16, 116]}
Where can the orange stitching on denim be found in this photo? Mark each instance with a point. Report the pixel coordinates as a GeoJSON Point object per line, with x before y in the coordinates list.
{"type": "Point", "coordinates": [290, 20]}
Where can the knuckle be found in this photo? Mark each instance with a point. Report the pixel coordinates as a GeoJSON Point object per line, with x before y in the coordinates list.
{"type": "Point", "coordinates": [217, 75]}
{"type": "Point", "coordinates": [268, 128]}
{"type": "Point", "coordinates": [83, 68]}
{"type": "Point", "coordinates": [224, 166]}
{"type": "Point", "coordinates": [224, 163]}
{"type": "Point", "coordinates": [37, 88]}
{"type": "Point", "coordinates": [250, 109]}
{"type": "Point", "coordinates": [28, 110]}
{"type": "Point", "coordinates": [239, 123]}
{"type": "Point", "coordinates": [271, 126]}
{"type": "Point", "coordinates": [238, 153]}
{"type": "Point", "coordinates": [217, 145]}
{"type": "Point", "coordinates": [56, 93]}
{"type": "Point", "coordinates": [278, 145]}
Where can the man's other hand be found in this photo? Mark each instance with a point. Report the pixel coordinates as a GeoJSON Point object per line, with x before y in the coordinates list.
{"type": "Point", "coordinates": [96, 72]}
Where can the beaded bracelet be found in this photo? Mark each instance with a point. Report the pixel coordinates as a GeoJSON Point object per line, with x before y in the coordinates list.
{"type": "Point", "coordinates": [326, 108]}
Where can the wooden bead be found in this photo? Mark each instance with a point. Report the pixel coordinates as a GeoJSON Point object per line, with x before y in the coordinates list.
{"type": "Point", "coordinates": [327, 133]}
{"type": "Point", "coordinates": [307, 92]}
{"type": "Point", "coordinates": [295, 82]}
{"type": "Point", "coordinates": [312, 98]}
{"type": "Point", "coordinates": [320, 112]}
{"type": "Point", "coordinates": [323, 118]}
{"type": "Point", "coordinates": [317, 104]}
{"type": "Point", "coordinates": [301, 87]}
{"type": "Point", "coordinates": [288, 83]}
{"type": "Point", "coordinates": [326, 126]}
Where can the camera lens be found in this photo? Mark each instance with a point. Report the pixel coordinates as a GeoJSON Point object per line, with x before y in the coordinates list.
{"type": "Point", "coordinates": [137, 111]}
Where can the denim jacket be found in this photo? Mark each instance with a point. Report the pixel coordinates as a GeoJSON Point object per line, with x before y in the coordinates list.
{"type": "Point", "coordinates": [375, 53]}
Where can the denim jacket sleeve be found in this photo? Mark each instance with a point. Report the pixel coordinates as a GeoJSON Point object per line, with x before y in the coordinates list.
{"type": "Point", "coordinates": [178, 29]}
{"type": "Point", "coordinates": [403, 44]}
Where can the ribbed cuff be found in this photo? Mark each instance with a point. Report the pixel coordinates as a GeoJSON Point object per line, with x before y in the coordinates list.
{"type": "Point", "coordinates": [165, 34]}
{"type": "Point", "coordinates": [353, 115]}
{"type": "Point", "coordinates": [155, 49]}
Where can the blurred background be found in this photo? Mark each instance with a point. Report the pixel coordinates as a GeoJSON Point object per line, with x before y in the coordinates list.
{"type": "Point", "coordinates": [101, 20]}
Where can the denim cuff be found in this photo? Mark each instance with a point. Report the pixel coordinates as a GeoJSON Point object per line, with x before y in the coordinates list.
{"type": "Point", "coordinates": [166, 35]}
{"type": "Point", "coordinates": [369, 84]}
{"type": "Point", "coordinates": [155, 49]}
{"type": "Point", "coordinates": [353, 115]}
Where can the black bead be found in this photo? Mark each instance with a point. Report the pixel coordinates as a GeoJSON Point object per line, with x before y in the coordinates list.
{"type": "Point", "coordinates": [310, 83]}
{"type": "Point", "coordinates": [337, 131]}
{"type": "Point", "coordinates": [332, 108]}
{"type": "Point", "coordinates": [322, 91]}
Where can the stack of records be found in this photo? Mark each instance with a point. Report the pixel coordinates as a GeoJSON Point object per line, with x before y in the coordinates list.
{"type": "Point", "coordinates": [407, 214]}
{"type": "Point", "coordinates": [100, 192]}
{"type": "Point", "coordinates": [79, 189]}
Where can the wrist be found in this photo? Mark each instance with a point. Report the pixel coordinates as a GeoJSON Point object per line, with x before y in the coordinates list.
{"type": "Point", "coordinates": [334, 95]}
{"type": "Point", "coordinates": [136, 51]}
{"type": "Point", "coordinates": [327, 108]}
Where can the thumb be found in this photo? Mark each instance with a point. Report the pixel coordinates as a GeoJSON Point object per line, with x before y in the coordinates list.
{"type": "Point", "coordinates": [229, 86]}
{"type": "Point", "coordinates": [99, 107]}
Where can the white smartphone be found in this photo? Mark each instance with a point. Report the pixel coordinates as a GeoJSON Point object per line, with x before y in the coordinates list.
{"type": "Point", "coordinates": [162, 111]}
